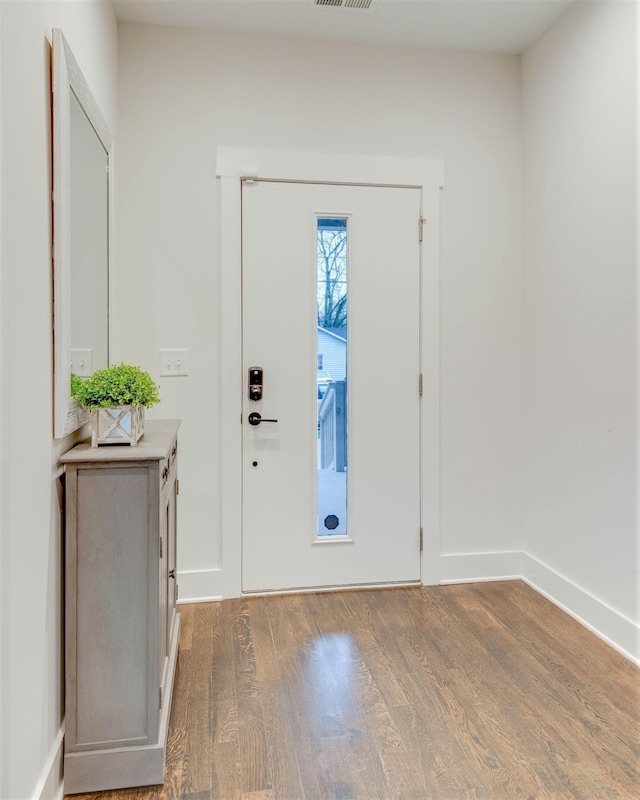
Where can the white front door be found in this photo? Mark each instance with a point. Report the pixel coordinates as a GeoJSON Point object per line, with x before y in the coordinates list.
{"type": "Point", "coordinates": [331, 490]}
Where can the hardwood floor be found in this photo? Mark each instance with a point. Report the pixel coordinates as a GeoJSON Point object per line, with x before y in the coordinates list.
{"type": "Point", "coordinates": [483, 691]}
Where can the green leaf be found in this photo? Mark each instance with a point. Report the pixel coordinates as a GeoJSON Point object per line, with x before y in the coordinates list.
{"type": "Point", "coordinates": [117, 385]}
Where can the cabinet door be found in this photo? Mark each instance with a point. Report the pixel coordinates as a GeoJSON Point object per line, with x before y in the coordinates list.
{"type": "Point", "coordinates": [163, 589]}
{"type": "Point", "coordinates": [109, 608]}
{"type": "Point", "coordinates": [172, 588]}
{"type": "Point", "coordinates": [167, 567]}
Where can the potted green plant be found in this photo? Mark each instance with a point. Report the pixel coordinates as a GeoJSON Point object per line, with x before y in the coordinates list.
{"type": "Point", "coordinates": [116, 398]}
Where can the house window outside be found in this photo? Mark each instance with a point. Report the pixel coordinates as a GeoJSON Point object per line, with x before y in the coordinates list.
{"type": "Point", "coordinates": [319, 360]}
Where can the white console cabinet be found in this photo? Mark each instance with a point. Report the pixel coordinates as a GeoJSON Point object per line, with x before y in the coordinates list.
{"type": "Point", "coordinates": [121, 625]}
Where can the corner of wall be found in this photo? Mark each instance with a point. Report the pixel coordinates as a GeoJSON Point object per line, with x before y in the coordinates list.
{"type": "Point", "coordinates": [620, 632]}
{"type": "Point", "coordinates": [51, 785]}
{"type": "Point", "coordinates": [581, 150]}
{"type": "Point", "coordinates": [613, 627]}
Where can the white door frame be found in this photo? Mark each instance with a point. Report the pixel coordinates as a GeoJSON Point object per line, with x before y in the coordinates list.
{"type": "Point", "coordinates": [233, 164]}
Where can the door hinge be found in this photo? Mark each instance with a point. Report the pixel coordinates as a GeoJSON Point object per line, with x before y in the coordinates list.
{"type": "Point", "coordinates": [420, 384]}
{"type": "Point", "coordinates": [421, 222]}
{"type": "Point", "coordinates": [177, 486]}
{"type": "Point", "coordinates": [160, 697]}
{"type": "Point", "coordinates": [421, 539]}
{"type": "Point", "coordinates": [161, 547]}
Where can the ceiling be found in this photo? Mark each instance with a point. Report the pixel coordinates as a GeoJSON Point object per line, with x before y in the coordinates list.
{"type": "Point", "coordinates": [499, 26]}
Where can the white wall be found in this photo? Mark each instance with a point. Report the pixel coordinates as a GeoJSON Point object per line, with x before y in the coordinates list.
{"type": "Point", "coordinates": [185, 92]}
{"type": "Point", "coordinates": [580, 315]}
{"type": "Point", "coordinates": [31, 599]}
{"type": "Point", "coordinates": [4, 474]}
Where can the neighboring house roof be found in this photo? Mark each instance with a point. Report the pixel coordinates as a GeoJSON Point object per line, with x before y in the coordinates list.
{"type": "Point", "coordinates": [339, 333]}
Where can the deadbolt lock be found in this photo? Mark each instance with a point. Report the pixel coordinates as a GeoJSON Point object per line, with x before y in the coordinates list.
{"type": "Point", "coordinates": [255, 383]}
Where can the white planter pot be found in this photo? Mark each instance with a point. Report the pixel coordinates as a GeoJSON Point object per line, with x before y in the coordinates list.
{"type": "Point", "coordinates": [117, 425]}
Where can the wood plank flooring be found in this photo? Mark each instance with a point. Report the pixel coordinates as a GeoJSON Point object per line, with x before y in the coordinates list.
{"type": "Point", "coordinates": [468, 692]}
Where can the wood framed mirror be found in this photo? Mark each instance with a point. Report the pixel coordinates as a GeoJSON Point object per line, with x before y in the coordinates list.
{"type": "Point", "coordinates": [82, 145]}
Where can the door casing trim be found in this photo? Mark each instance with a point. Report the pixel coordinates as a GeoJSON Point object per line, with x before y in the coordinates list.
{"type": "Point", "coordinates": [232, 166]}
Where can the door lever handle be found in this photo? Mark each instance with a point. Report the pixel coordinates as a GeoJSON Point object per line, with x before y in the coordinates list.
{"type": "Point", "coordinates": [255, 419]}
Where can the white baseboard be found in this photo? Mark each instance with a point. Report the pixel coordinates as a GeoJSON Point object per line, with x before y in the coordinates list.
{"type": "Point", "coordinates": [605, 622]}
{"type": "Point", "coordinates": [199, 586]}
{"type": "Point", "coordinates": [608, 624]}
{"type": "Point", "coordinates": [50, 786]}
{"type": "Point", "coordinates": [476, 567]}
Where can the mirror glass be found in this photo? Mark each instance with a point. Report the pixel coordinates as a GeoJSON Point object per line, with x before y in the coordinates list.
{"type": "Point", "coordinates": [81, 242]}
{"type": "Point", "coordinates": [89, 336]}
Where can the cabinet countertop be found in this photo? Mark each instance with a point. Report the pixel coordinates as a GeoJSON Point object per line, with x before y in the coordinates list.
{"type": "Point", "coordinates": [154, 444]}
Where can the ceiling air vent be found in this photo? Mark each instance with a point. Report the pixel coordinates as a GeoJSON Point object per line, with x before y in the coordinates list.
{"type": "Point", "coordinates": [363, 4]}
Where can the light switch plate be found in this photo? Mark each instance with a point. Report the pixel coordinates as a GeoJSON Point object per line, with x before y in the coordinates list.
{"type": "Point", "coordinates": [174, 363]}
{"type": "Point", "coordinates": [82, 363]}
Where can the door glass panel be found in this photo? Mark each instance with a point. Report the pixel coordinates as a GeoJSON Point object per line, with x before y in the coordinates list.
{"type": "Point", "coordinates": [332, 262]}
